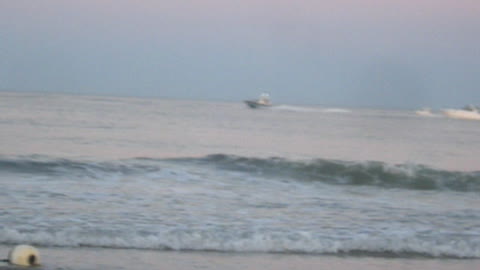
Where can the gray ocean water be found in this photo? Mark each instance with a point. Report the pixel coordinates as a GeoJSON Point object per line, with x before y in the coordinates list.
{"type": "Point", "coordinates": [159, 174]}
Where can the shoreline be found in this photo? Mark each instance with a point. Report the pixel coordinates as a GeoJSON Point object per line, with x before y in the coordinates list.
{"type": "Point", "coordinates": [106, 258]}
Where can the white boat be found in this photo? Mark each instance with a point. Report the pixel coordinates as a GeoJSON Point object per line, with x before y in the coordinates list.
{"type": "Point", "coordinates": [261, 102]}
{"type": "Point", "coordinates": [469, 113]}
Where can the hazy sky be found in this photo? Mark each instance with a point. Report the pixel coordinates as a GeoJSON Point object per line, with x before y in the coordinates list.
{"type": "Point", "coordinates": [381, 53]}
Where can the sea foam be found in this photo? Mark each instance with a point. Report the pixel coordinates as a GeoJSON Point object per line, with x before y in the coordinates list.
{"type": "Point", "coordinates": [267, 242]}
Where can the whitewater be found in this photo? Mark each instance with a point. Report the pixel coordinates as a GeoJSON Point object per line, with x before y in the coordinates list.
{"type": "Point", "coordinates": [85, 173]}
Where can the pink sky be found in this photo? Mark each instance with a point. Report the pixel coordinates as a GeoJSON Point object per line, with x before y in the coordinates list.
{"type": "Point", "coordinates": [239, 11]}
{"type": "Point", "coordinates": [284, 19]}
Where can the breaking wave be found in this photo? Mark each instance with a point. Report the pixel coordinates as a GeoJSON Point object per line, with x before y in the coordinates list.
{"type": "Point", "coordinates": [372, 173]}
{"type": "Point", "coordinates": [368, 173]}
{"type": "Point", "coordinates": [261, 241]}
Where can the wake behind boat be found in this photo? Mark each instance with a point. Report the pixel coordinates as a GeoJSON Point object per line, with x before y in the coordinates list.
{"type": "Point", "coordinates": [262, 102]}
{"type": "Point", "coordinates": [425, 112]}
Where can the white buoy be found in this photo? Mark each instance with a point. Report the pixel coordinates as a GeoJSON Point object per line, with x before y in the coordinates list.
{"type": "Point", "coordinates": [24, 255]}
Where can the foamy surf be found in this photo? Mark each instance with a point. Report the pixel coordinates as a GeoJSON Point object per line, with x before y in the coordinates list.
{"type": "Point", "coordinates": [229, 203]}
{"type": "Point", "coordinates": [393, 245]}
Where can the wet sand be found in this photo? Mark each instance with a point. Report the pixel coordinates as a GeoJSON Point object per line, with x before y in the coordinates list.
{"type": "Point", "coordinates": [103, 258]}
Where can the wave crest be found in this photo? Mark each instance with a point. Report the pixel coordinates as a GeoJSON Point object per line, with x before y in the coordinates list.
{"type": "Point", "coordinates": [371, 173]}
{"type": "Point", "coordinates": [368, 173]}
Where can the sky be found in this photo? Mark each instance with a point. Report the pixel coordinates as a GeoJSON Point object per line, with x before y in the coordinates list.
{"type": "Point", "coordinates": [351, 53]}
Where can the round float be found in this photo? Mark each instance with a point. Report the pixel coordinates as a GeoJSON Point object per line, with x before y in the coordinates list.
{"type": "Point", "coordinates": [24, 255]}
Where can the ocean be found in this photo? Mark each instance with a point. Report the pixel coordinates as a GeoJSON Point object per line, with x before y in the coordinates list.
{"type": "Point", "coordinates": [98, 182]}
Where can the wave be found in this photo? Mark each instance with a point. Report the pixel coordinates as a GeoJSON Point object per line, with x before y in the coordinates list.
{"type": "Point", "coordinates": [49, 166]}
{"type": "Point", "coordinates": [368, 173]}
{"type": "Point", "coordinates": [265, 242]}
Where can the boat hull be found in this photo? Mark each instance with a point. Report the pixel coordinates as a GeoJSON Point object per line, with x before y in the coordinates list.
{"type": "Point", "coordinates": [255, 104]}
{"type": "Point", "coordinates": [462, 114]}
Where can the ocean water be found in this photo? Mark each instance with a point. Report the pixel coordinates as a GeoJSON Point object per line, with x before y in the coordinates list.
{"type": "Point", "coordinates": [157, 175]}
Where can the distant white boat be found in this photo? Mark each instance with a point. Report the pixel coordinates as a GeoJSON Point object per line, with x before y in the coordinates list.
{"type": "Point", "coordinates": [261, 102]}
{"type": "Point", "coordinates": [469, 113]}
